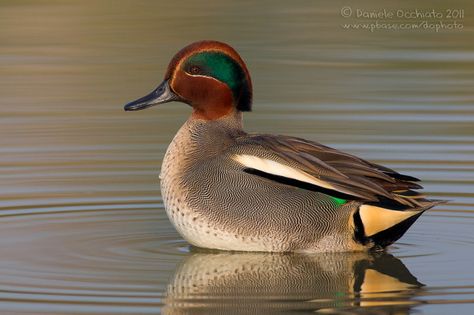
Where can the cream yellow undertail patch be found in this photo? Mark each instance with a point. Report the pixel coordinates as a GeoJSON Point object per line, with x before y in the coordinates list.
{"type": "Point", "coordinates": [377, 219]}
{"type": "Point", "coordinates": [276, 168]}
{"type": "Point", "coordinates": [377, 287]}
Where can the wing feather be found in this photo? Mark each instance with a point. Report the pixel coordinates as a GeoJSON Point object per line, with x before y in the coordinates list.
{"type": "Point", "coordinates": [329, 168]}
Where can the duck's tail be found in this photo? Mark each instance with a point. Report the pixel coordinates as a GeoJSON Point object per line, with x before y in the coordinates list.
{"type": "Point", "coordinates": [379, 226]}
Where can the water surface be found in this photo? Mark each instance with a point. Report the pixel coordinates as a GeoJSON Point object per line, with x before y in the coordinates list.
{"type": "Point", "coordinates": [82, 224]}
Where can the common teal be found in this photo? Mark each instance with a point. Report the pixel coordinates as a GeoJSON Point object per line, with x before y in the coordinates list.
{"type": "Point", "coordinates": [226, 189]}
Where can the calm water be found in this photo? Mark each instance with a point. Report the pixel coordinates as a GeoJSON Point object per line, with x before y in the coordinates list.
{"type": "Point", "coordinates": [82, 224]}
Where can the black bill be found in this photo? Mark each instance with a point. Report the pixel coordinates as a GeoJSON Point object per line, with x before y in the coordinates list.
{"type": "Point", "coordinates": [162, 94]}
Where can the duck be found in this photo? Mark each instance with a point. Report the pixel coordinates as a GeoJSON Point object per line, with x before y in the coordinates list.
{"type": "Point", "coordinates": [226, 189]}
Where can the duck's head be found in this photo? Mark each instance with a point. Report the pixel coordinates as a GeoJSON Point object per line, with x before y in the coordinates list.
{"type": "Point", "coordinates": [208, 75]}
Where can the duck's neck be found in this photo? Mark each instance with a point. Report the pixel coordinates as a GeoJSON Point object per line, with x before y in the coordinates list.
{"type": "Point", "coordinates": [213, 135]}
{"type": "Point", "coordinates": [214, 110]}
{"type": "Point", "coordinates": [231, 122]}
{"type": "Point", "coordinates": [201, 139]}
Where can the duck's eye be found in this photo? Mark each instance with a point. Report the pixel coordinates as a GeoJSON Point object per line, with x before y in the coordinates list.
{"type": "Point", "coordinates": [195, 70]}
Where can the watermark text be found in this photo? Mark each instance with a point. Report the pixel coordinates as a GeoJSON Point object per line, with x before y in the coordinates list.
{"type": "Point", "coordinates": [402, 19]}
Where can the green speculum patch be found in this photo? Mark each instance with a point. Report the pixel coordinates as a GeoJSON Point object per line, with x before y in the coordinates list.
{"type": "Point", "coordinates": [225, 69]}
{"type": "Point", "coordinates": [339, 201]}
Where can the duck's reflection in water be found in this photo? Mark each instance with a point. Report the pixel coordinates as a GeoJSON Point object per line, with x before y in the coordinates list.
{"type": "Point", "coordinates": [261, 283]}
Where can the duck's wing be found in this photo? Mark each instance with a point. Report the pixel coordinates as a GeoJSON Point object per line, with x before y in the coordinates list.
{"type": "Point", "coordinates": [299, 162]}
{"type": "Point", "coordinates": [386, 202]}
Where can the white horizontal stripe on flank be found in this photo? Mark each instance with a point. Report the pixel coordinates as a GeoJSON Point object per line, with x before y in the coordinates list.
{"type": "Point", "coordinates": [276, 168]}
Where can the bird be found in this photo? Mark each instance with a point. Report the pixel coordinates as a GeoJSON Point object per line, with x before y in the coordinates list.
{"type": "Point", "coordinates": [226, 189]}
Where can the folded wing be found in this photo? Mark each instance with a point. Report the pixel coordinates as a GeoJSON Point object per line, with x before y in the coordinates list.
{"type": "Point", "coordinates": [335, 172]}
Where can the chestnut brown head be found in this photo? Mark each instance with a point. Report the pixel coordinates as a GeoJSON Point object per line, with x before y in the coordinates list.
{"type": "Point", "coordinates": [208, 75]}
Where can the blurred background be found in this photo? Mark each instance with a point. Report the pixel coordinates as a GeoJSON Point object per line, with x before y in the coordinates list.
{"type": "Point", "coordinates": [82, 225]}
